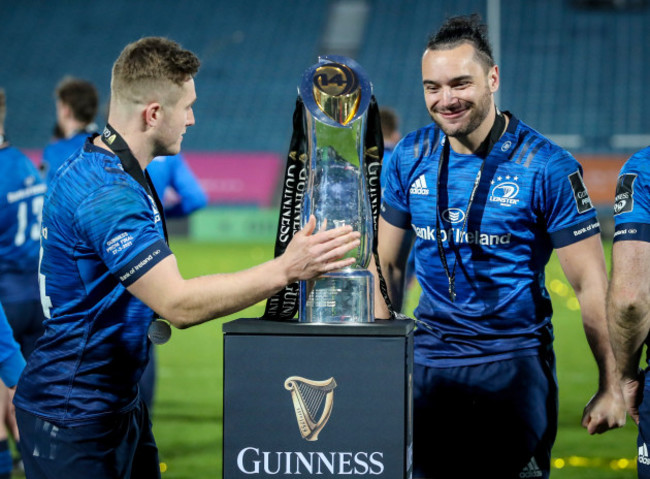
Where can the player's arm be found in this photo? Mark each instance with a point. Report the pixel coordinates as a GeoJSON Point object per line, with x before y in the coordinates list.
{"type": "Point", "coordinates": [394, 244]}
{"type": "Point", "coordinates": [628, 314]}
{"type": "Point", "coordinates": [185, 303]}
{"type": "Point", "coordinates": [583, 264]}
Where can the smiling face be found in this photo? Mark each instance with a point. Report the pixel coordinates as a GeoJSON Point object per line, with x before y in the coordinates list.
{"type": "Point", "coordinates": [458, 91]}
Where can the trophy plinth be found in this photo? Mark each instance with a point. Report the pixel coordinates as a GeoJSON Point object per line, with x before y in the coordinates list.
{"type": "Point", "coordinates": [336, 94]}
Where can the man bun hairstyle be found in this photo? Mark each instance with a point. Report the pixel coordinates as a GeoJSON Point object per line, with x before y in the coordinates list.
{"type": "Point", "coordinates": [464, 29]}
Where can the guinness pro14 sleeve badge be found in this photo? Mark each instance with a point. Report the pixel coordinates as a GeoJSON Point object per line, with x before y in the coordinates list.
{"type": "Point", "coordinates": [624, 200]}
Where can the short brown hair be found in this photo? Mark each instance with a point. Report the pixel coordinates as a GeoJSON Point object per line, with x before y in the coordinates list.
{"type": "Point", "coordinates": [81, 96]}
{"type": "Point", "coordinates": [148, 67]}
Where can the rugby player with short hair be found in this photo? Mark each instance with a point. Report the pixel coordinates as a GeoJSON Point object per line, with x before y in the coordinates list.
{"type": "Point", "coordinates": [76, 107]}
{"type": "Point", "coordinates": [106, 268]}
{"type": "Point", "coordinates": [488, 199]}
{"type": "Point", "coordinates": [21, 201]}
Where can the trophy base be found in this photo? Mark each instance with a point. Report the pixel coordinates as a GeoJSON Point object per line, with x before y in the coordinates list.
{"type": "Point", "coordinates": [342, 297]}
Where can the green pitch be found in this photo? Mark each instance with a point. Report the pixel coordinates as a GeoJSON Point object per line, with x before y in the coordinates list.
{"type": "Point", "coordinates": [187, 412]}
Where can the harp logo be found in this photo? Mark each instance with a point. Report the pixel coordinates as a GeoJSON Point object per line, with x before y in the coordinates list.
{"type": "Point", "coordinates": [312, 402]}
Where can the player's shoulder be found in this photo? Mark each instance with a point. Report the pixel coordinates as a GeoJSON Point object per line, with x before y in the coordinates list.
{"type": "Point", "coordinates": [12, 156]}
{"type": "Point", "coordinates": [16, 166]}
{"type": "Point", "coordinates": [92, 170]}
{"type": "Point", "coordinates": [63, 145]}
{"type": "Point", "coordinates": [638, 163]}
{"type": "Point", "coordinates": [535, 150]}
{"type": "Point", "coordinates": [419, 143]}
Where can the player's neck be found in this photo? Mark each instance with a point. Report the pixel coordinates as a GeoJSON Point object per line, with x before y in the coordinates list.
{"type": "Point", "coordinates": [71, 127]}
{"type": "Point", "coordinates": [138, 145]}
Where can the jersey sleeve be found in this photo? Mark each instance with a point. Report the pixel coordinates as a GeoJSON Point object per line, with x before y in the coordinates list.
{"type": "Point", "coordinates": [564, 201]}
{"type": "Point", "coordinates": [394, 205]}
{"type": "Point", "coordinates": [119, 223]}
{"type": "Point", "coordinates": [12, 362]}
{"type": "Point", "coordinates": [632, 200]}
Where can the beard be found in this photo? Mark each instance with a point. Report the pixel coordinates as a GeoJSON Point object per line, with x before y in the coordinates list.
{"type": "Point", "coordinates": [478, 112]}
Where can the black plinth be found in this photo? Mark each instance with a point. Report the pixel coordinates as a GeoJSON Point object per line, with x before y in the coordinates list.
{"type": "Point", "coordinates": [368, 429]}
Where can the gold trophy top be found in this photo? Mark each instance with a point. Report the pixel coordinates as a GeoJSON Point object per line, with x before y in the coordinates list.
{"type": "Point", "coordinates": [337, 91]}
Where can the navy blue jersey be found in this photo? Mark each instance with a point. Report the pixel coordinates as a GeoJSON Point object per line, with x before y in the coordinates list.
{"type": "Point", "coordinates": [100, 232]}
{"type": "Point", "coordinates": [529, 200]}
{"type": "Point", "coordinates": [21, 202]}
{"type": "Point", "coordinates": [172, 172]}
{"type": "Point", "coordinates": [55, 154]}
{"type": "Point", "coordinates": [632, 203]}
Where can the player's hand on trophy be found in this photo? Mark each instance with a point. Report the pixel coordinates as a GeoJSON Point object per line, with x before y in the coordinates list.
{"type": "Point", "coordinates": [311, 254]}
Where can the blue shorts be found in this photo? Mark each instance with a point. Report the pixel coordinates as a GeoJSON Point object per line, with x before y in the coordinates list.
{"type": "Point", "coordinates": [119, 447]}
{"type": "Point", "coordinates": [643, 439]}
{"type": "Point", "coordinates": [496, 419]}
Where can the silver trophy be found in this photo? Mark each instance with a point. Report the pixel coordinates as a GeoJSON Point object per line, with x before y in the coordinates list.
{"type": "Point", "coordinates": [336, 93]}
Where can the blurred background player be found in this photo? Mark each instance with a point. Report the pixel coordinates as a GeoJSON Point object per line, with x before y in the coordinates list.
{"type": "Point", "coordinates": [392, 135]}
{"type": "Point", "coordinates": [389, 130]}
{"type": "Point", "coordinates": [178, 189]}
{"type": "Point", "coordinates": [77, 102]}
{"type": "Point", "coordinates": [628, 300]}
{"type": "Point", "coordinates": [12, 364]}
{"type": "Point", "coordinates": [21, 201]}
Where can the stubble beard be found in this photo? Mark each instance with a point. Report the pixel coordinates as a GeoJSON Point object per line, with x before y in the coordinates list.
{"type": "Point", "coordinates": [478, 113]}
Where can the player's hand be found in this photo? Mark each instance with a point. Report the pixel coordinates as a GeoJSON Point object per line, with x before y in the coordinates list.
{"type": "Point", "coordinates": [632, 394]}
{"type": "Point", "coordinates": [311, 254]}
{"type": "Point", "coordinates": [605, 411]}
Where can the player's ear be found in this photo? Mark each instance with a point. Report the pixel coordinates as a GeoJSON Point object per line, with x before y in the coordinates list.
{"type": "Point", "coordinates": [493, 78]}
{"type": "Point", "coordinates": [152, 114]}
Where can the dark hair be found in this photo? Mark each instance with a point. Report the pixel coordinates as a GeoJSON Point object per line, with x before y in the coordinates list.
{"type": "Point", "coordinates": [464, 29]}
{"type": "Point", "coordinates": [389, 120]}
{"type": "Point", "coordinates": [81, 96]}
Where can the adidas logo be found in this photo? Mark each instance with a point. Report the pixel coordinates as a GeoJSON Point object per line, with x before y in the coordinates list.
{"type": "Point", "coordinates": [643, 455]}
{"type": "Point", "coordinates": [531, 470]}
{"type": "Point", "coordinates": [419, 186]}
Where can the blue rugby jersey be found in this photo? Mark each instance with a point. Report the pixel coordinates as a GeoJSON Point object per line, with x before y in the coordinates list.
{"type": "Point", "coordinates": [21, 201]}
{"type": "Point", "coordinates": [530, 199]}
{"type": "Point", "coordinates": [172, 171]}
{"type": "Point", "coordinates": [100, 232]}
{"type": "Point", "coordinates": [55, 154]}
{"type": "Point", "coordinates": [11, 359]}
{"type": "Point", "coordinates": [632, 202]}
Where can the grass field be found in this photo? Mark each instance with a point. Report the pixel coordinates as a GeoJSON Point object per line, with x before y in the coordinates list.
{"type": "Point", "coordinates": [187, 414]}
